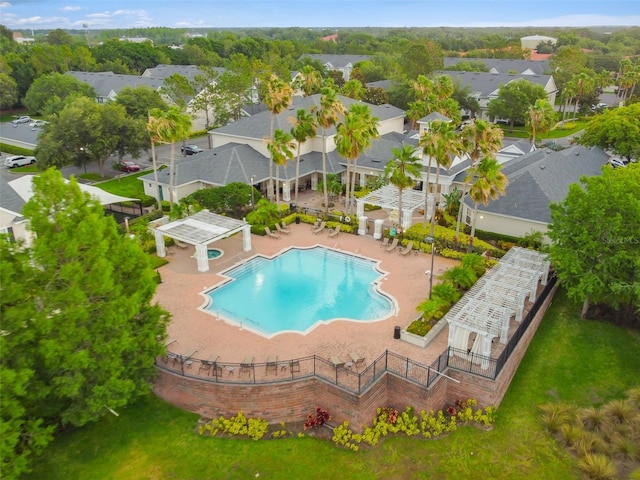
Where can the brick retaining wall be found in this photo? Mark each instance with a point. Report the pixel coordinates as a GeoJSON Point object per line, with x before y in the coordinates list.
{"type": "Point", "coordinates": [294, 400]}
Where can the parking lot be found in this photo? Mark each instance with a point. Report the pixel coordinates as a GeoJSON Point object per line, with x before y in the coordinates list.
{"type": "Point", "coordinates": [25, 136]}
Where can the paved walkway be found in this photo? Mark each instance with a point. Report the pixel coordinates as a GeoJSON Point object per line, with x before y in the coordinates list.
{"type": "Point", "coordinates": [182, 288]}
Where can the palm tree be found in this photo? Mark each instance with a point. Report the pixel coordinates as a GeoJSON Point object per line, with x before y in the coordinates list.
{"type": "Point", "coordinates": [480, 139]}
{"type": "Point", "coordinates": [304, 127]}
{"type": "Point", "coordinates": [277, 97]}
{"type": "Point", "coordinates": [440, 142]}
{"type": "Point", "coordinates": [584, 83]}
{"type": "Point", "coordinates": [309, 81]}
{"type": "Point", "coordinates": [488, 184]}
{"type": "Point", "coordinates": [168, 127]}
{"type": "Point", "coordinates": [353, 89]}
{"type": "Point", "coordinates": [541, 118]}
{"type": "Point", "coordinates": [353, 136]}
{"type": "Point", "coordinates": [568, 92]}
{"type": "Point", "coordinates": [402, 171]}
{"type": "Point", "coordinates": [327, 114]}
{"type": "Point", "coordinates": [281, 149]}
{"type": "Point", "coordinates": [156, 126]}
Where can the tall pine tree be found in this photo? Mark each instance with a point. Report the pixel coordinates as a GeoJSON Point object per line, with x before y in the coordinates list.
{"type": "Point", "coordinates": [77, 313]}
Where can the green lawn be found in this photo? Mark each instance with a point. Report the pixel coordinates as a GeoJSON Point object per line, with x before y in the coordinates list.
{"type": "Point", "coordinates": [570, 128]}
{"type": "Point", "coordinates": [125, 185]}
{"type": "Point", "coordinates": [570, 360]}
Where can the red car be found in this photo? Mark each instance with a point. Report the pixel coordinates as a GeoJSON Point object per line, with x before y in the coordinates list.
{"type": "Point", "coordinates": [129, 167]}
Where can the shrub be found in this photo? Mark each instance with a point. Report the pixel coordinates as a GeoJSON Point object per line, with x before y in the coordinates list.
{"type": "Point", "coordinates": [318, 419]}
{"type": "Point", "coordinates": [597, 467]}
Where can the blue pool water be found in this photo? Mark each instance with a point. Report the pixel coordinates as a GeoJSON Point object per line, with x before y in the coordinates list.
{"type": "Point", "coordinates": [298, 289]}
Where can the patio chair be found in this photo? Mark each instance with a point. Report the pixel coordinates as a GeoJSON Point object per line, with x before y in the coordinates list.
{"type": "Point", "coordinates": [406, 250]}
{"type": "Point", "coordinates": [336, 361]}
{"type": "Point", "coordinates": [335, 231]}
{"type": "Point", "coordinates": [319, 228]}
{"type": "Point", "coordinates": [385, 242]}
{"type": "Point", "coordinates": [294, 366]}
{"type": "Point", "coordinates": [393, 245]}
{"type": "Point", "coordinates": [283, 228]}
{"type": "Point", "coordinates": [180, 244]}
{"type": "Point", "coordinates": [357, 360]}
{"type": "Point", "coordinates": [272, 364]}
{"type": "Point", "coordinates": [270, 233]}
{"type": "Point", "coordinates": [246, 365]}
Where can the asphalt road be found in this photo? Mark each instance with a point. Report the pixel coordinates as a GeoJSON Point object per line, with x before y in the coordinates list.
{"type": "Point", "coordinates": [27, 137]}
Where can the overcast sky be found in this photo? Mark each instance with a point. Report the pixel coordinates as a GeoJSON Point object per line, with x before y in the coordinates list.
{"type": "Point", "coordinates": [109, 14]}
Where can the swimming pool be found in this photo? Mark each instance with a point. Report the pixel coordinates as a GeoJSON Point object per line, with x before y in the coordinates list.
{"type": "Point", "coordinates": [299, 289]}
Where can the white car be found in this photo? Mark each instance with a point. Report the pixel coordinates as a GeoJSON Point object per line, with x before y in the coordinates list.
{"type": "Point", "coordinates": [22, 119]}
{"type": "Point", "coordinates": [37, 123]}
{"type": "Point", "coordinates": [618, 162]}
{"type": "Point", "coordinates": [19, 161]}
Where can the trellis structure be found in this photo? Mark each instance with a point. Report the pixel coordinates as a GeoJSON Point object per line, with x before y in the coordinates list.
{"type": "Point", "coordinates": [486, 309]}
{"type": "Point", "coordinates": [201, 229]}
{"type": "Point", "coordinates": [388, 196]}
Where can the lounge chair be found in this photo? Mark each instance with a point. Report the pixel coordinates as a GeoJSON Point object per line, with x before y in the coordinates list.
{"type": "Point", "coordinates": [270, 233]}
{"type": "Point", "coordinates": [246, 365]}
{"type": "Point", "coordinates": [283, 228]}
{"type": "Point", "coordinates": [406, 250]}
{"type": "Point", "coordinates": [272, 364]}
{"type": "Point", "coordinates": [180, 244]}
{"type": "Point", "coordinates": [336, 361]}
{"type": "Point", "coordinates": [385, 242]}
{"type": "Point", "coordinates": [393, 245]}
{"type": "Point", "coordinates": [335, 231]}
{"type": "Point", "coordinates": [319, 228]}
{"type": "Point", "coordinates": [357, 360]}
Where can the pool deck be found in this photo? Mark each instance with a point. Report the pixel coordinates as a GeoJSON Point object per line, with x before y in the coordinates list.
{"type": "Point", "coordinates": [182, 286]}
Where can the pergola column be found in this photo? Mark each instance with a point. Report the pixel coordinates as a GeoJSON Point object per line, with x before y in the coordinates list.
{"type": "Point", "coordinates": [407, 219]}
{"type": "Point", "coordinates": [359, 208]}
{"type": "Point", "coordinates": [202, 257]}
{"type": "Point", "coordinates": [160, 250]}
{"type": "Point", "coordinates": [246, 238]}
{"type": "Point", "coordinates": [286, 190]}
{"type": "Point", "coordinates": [362, 225]}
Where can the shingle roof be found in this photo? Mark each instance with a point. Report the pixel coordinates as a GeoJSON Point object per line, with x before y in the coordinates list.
{"type": "Point", "coordinates": [543, 177]}
{"type": "Point", "coordinates": [504, 65]}
{"type": "Point", "coordinates": [258, 126]}
{"type": "Point", "coordinates": [337, 61]}
{"type": "Point", "coordinates": [236, 162]}
{"type": "Point", "coordinates": [106, 82]}
{"type": "Point", "coordinates": [484, 84]}
{"type": "Point", "coordinates": [9, 198]}
{"type": "Point", "coordinates": [163, 71]}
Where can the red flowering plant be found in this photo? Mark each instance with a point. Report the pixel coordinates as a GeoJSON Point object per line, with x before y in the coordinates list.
{"type": "Point", "coordinates": [314, 421]}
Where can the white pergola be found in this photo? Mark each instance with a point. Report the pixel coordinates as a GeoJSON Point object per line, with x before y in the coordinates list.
{"type": "Point", "coordinates": [486, 309]}
{"type": "Point", "coordinates": [388, 197]}
{"type": "Point", "coordinates": [202, 229]}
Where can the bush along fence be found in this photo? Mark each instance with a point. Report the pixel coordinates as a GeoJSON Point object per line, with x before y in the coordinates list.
{"type": "Point", "coordinates": [388, 421]}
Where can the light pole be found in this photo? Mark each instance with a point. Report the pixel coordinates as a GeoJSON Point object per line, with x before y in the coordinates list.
{"type": "Point", "coordinates": [251, 193]}
{"type": "Point", "coordinates": [431, 241]}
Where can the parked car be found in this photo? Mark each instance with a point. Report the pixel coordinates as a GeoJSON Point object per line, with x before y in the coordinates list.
{"type": "Point", "coordinates": [22, 119]}
{"type": "Point", "coordinates": [616, 162]}
{"type": "Point", "coordinates": [191, 149]}
{"type": "Point", "coordinates": [19, 161]}
{"type": "Point", "coordinates": [598, 107]}
{"type": "Point", "coordinates": [129, 167]}
{"type": "Point", "coordinates": [37, 123]}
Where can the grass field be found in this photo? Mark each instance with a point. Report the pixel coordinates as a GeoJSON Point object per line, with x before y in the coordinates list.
{"type": "Point", "coordinates": [569, 360]}
{"type": "Point", "coordinates": [125, 185]}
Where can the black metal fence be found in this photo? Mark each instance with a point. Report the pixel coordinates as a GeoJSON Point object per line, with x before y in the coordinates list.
{"type": "Point", "coordinates": [348, 375]}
